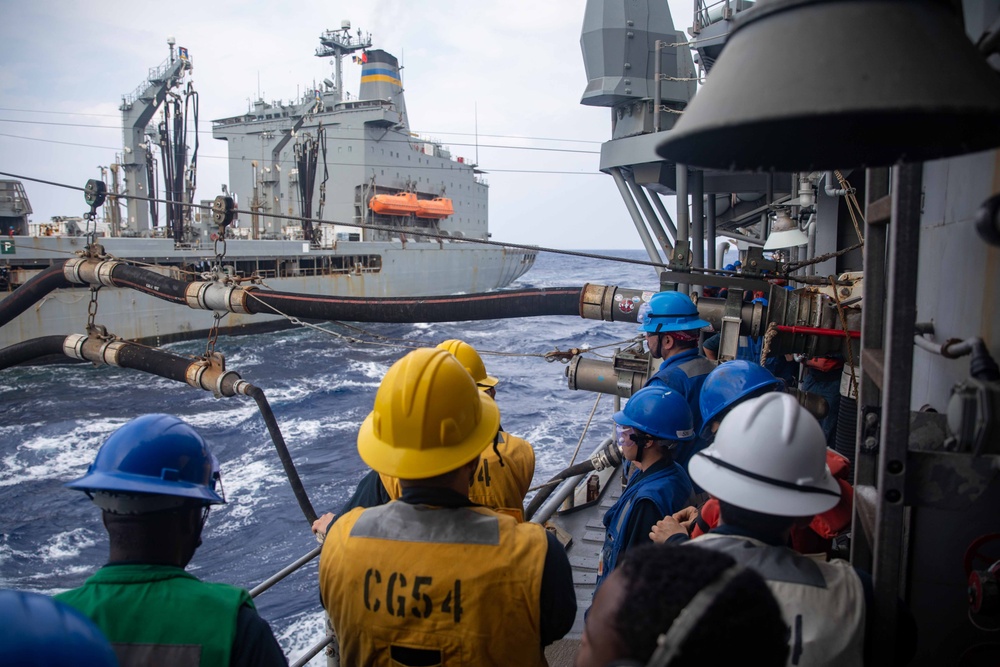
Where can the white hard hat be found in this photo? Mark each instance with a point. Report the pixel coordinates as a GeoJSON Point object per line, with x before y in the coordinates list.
{"type": "Point", "coordinates": [769, 456]}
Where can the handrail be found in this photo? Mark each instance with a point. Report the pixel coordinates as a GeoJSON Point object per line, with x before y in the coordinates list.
{"type": "Point", "coordinates": [311, 653]}
{"type": "Point", "coordinates": [563, 491]}
{"type": "Point", "coordinates": [284, 572]}
{"type": "Point", "coordinates": [278, 576]}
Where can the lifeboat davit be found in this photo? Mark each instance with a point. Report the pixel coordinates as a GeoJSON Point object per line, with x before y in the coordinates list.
{"type": "Point", "coordinates": [404, 203]}
{"type": "Point", "coordinates": [437, 208]}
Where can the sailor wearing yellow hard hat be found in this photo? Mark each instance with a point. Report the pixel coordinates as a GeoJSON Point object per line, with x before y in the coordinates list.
{"type": "Point", "coordinates": [428, 578]}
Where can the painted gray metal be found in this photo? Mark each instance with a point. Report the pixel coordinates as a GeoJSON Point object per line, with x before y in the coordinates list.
{"type": "Point", "coordinates": [369, 151]}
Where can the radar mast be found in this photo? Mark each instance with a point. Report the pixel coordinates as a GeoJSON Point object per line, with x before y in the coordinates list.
{"type": "Point", "coordinates": [337, 44]}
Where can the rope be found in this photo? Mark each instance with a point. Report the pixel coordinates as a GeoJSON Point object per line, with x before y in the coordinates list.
{"type": "Point", "coordinates": [852, 205]}
{"type": "Point", "coordinates": [769, 334]}
{"type": "Point", "coordinates": [847, 336]}
{"type": "Point", "coordinates": [585, 428]}
{"type": "Point", "coordinates": [795, 266]}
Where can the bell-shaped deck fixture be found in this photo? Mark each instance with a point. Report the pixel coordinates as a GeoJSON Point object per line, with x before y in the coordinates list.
{"type": "Point", "coordinates": [785, 233]}
{"type": "Point", "coordinates": [828, 84]}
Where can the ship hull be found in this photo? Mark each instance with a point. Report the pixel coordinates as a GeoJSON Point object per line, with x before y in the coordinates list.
{"type": "Point", "coordinates": [358, 269]}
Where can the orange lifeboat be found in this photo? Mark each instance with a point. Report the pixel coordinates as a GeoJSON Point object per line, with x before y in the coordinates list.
{"type": "Point", "coordinates": [437, 208]}
{"type": "Point", "coordinates": [404, 203]}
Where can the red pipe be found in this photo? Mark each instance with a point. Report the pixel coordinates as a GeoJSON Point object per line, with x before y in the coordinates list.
{"type": "Point", "coordinates": [814, 331]}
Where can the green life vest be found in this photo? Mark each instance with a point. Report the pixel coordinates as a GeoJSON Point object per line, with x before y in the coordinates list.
{"type": "Point", "coordinates": [158, 614]}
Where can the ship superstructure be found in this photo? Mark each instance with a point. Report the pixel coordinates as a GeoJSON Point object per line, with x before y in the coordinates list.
{"type": "Point", "coordinates": [303, 175]}
{"type": "Point", "coordinates": [326, 155]}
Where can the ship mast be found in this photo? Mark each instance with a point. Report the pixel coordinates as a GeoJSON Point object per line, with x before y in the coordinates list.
{"type": "Point", "coordinates": [338, 43]}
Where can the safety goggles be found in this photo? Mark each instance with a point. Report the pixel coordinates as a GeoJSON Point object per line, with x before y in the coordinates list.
{"type": "Point", "coordinates": [628, 436]}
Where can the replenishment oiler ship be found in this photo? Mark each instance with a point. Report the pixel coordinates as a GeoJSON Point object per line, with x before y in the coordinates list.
{"type": "Point", "coordinates": [345, 201]}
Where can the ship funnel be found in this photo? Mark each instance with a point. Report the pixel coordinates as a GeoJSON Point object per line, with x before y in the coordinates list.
{"type": "Point", "coordinates": [804, 85]}
{"type": "Point", "coordinates": [380, 81]}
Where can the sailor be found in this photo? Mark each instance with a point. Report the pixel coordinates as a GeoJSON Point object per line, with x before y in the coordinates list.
{"type": "Point", "coordinates": [729, 385]}
{"type": "Point", "coordinates": [672, 327]}
{"type": "Point", "coordinates": [682, 606]}
{"type": "Point", "coordinates": [505, 469]}
{"type": "Point", "coordinates": [823, 377]}
{"type": "Point", "coordinates": [653, 422]}
{"type": "Point", "coordinates": [154, 478]}
{"type": "Point", "coordinates": [428, 579]}
{"type": "Point", "coordinates": [37, 630]}
{"type": "Point", "coordinates": [768, 469]}
{"type": "Point", "coordinates": [710, 348]}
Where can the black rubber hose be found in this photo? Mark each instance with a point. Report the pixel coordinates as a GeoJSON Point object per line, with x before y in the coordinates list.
{"type": "Point", "coordinates": [286, 459]}
{"type": "Point", "coordinates": [487, 306]}
{"type": "Point", "coordinates": [443, 308]}
{"type": "Point", "coordinates": [149, 282]}
{"type": "Point", "coordinates": [155, 362]}
{"type": "Point", "coordinates": [550, 486]}
{"type": "Point", "coordinates": [172, 367]}
{"type": "Point", "coordinates": [33, 291]}
{"type": "Point", "coordinates": [29, 350]}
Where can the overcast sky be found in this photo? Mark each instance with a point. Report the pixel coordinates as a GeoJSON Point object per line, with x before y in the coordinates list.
{"type": "Point", "coordinates": [513, 64]}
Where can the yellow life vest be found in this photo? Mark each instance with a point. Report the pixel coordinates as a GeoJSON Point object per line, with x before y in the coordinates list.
{"type": "Point", "coordinates": [399, 579]}
{"type": "Point", "coordinates": [499, 487]}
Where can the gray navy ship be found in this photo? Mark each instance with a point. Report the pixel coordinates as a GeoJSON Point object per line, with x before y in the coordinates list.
{"type": "Point", "coordinates": [335, 196]}
{"type": "Point", "coordinates": [849, 148]}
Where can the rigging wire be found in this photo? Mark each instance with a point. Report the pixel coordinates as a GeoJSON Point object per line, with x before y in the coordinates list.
{"type": "Point", "coordinates": [408, 343]}
{"type": "Point", "coordinates": [807, 280]}
{"type": "Point", "coordinates": [382, 228]}
{"type": "Point", "coordinates": [420, 132]}
{"type": "Point", "coordinates": [335, 164]}
{"type": "Point", "coordinates": [409, 141]}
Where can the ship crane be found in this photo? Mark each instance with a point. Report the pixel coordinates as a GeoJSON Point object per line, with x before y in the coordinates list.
{"type": "Point", "coordinates": [138, 108]}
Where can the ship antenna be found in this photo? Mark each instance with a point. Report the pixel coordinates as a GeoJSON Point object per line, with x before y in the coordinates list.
{"type": "Point", "coordinates": [475, 113]}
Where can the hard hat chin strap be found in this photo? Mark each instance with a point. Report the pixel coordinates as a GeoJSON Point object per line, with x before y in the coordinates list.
{"type": "Point", "coordinates": [803, 488]}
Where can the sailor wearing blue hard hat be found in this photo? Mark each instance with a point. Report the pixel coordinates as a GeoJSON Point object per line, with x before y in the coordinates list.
{"type": "Point", "coordinates": [154, 478]}
{"type": "Point", "coordinates": [729, 385]}
{"type": "Point", "coordinates": [672, 326]}
{"type": "Point", "coordinates": [36, 630]}
{"type": "Point", "coordinates": [650, 426]}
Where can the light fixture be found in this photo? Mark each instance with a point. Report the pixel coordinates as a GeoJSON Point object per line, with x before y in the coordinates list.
{"type": "Point", "coordinates": [807, 85]}
{"type": "Point", "coordinates": [785, 233]}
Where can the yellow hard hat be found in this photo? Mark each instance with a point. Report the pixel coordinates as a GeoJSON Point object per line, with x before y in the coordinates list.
{"type": "Point", "coordinates": [467, 355]}
{"type": "Point", "coordinates": [429, 418]}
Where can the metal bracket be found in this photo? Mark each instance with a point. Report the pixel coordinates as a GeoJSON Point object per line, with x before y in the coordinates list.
{"type": "Point", "coordinates": [871, 419]}
{"type": "Point", "coordinates": [756, 264]}
{"type": "Point", "coordinates": [729, 335]}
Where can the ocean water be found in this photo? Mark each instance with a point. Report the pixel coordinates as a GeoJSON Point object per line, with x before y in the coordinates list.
{"type": "Point", "coordinates": [320, 387]}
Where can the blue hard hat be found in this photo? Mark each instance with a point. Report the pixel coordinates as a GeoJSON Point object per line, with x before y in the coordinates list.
{"type": "Point", "coordinates": [761, 300]}
{"type": "Point", "coordinates": [669, 311]}
{"type": "Point", "coordinates": [729, 384]}
{"type": "Point", "coordinates": [662, 413]}
{"type": "Point", "coordinates": [36, 630]}
{"type": "Point", "coordinates": [156, 455]}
